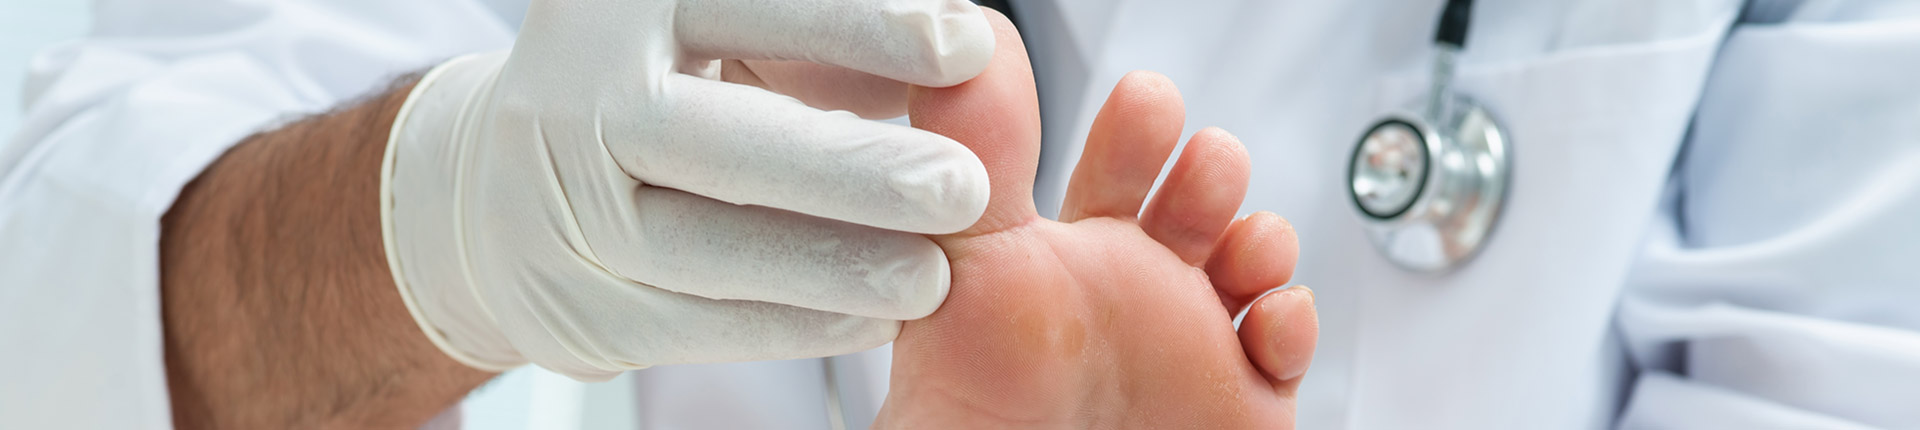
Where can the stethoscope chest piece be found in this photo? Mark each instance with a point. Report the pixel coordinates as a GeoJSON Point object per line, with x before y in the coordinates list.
{"type": "Point", "coordinates": [1429, 186]}
{"type": "Point", "coordinates": [1430, 189]}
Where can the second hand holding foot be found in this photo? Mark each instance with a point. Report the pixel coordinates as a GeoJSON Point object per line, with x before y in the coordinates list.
{"type": "Point", "coordinates": [611, 195]}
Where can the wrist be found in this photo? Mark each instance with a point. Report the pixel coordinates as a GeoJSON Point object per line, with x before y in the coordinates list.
{"type": "Point", "coordinates": [278, 311]}
{"type": "Point", "coordinates": [421, 229]}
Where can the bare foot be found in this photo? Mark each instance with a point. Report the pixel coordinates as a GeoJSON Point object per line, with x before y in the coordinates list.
{"type": "Point", "coordinates": [1115, 318]}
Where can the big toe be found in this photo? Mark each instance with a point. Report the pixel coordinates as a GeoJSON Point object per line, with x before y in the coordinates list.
{"type": "Point", "coordinates": [997, 115]}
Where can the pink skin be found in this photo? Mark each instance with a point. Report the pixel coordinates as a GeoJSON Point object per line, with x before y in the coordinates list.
{"type": "Point", "coordinates": [1114, 317]}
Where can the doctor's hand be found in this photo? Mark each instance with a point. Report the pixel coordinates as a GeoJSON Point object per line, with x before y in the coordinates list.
{"type": "Point", "coordinates": [654, 182]}
{"type": "Point", "coordinates": [1115, 317]}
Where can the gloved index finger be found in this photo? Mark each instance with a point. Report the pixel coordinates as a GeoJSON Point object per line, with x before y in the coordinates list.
{"type": "Point", "coordinates": [745, 145]}
{"type": "Point", "coordinates": [934, 43]}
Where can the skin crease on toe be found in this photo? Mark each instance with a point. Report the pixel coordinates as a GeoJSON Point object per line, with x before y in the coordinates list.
{"type": "Point", "coordinates": [1094, 323]}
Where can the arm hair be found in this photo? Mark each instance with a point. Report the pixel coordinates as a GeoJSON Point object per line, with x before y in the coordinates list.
{"type": "Point", "coordinates": [278, 306]}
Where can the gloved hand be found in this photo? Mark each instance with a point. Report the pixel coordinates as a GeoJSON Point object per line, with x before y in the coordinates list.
{"type": "Point", "coordinates": [599, 199]}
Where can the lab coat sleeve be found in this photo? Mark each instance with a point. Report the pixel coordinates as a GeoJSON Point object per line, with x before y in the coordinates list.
{"type": "Point", "coordinates": [1779, 289]}
{"type": "Point", "coordinates": [116, 124]}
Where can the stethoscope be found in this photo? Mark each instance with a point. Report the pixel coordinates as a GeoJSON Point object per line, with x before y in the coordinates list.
{"type": "Point", "coordinates": [1429, 185]}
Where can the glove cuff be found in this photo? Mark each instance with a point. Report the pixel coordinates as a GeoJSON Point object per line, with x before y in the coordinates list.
{"type": "Point", "coordinates": [420, 222]}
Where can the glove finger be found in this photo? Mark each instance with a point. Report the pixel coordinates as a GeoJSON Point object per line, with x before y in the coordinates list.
{"type": "Point", "coordinates": [823, 87]}
{"type": "Point", "coordinates": [744, 145]}
{"type": "Point", "coordinates": [703, 247]}
{"type": "Point", "coordinates": [557, 280]}
{"type": "Point", "coordinates": [924, 42]}
{"type": "Point", "coordinates": [590, 325]}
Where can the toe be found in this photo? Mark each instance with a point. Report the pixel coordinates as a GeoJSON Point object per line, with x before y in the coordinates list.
{"type": "Point", "coordinates": [1130, 140]}
{"type": "Point", "coordinates": [1256, 254]}
{"type": "Point", "coordinates": [1279, 336]}
{"type": "Point", "coordinates": [1200, 196]}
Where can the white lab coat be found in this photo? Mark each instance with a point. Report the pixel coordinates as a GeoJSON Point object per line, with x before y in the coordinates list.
{"type": "Point", "coordinates": [1710, 224]}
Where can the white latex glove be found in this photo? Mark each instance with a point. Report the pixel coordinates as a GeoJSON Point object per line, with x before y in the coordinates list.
{"type": "Point", "coordinates": [598, 199]}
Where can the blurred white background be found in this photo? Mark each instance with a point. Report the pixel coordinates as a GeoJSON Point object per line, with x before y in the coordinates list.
{"type": "Point", "coordinates": [27, 26]}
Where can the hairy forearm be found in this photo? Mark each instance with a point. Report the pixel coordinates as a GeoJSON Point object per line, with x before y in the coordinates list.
{"type": "Point", "coordinates": [279, 309]}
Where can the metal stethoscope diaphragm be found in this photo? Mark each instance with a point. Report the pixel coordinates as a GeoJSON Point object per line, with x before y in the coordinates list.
{"type": "Point", "coordinates": [1429, 186]}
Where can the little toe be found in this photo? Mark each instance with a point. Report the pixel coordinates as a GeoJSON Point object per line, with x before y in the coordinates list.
{"type": "Point", "coordinates": [1279, 336]}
